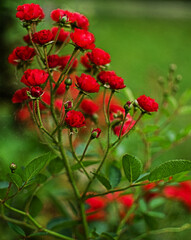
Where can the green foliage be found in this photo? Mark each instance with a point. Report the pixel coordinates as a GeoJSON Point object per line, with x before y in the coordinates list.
{"type": "Point", "coordinates": [132, 167]}
{"type": "Point", "coordinates": [114, 176]}
{"type": "Point", "coordinates": [103, 180]}
{"type": "Point", "coordinates": [35, 206]}
{"type": "Point", "coordinates": [55, 166]}
{"type": "Point", "coordinates": [77, 166]}
{"type": "Point", "coordinates": [16, 179]}
{"type": "Point", "coordinates": [17, 229]}
{"type": "Point", "coordinates": [169, 169]}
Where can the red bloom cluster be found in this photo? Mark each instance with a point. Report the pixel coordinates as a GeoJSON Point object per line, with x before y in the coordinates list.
{"type": "Point", "coordinates": [64, 60]}
{"type": "Point", "coordinates": [75, 19]}
{"type": "Point", "coordinates": [20, 95]}
{"type": "Point", "coordinates": [29, 12]}
{"type": "Point", "coordinates": [111, 79]}
{"type": "Point", "coordinates": [99, 57]}
{"type": "Point", "coordinates": [87, 83]}
{"type": "Point", "coordinates": [42, 37]}
{"type": "Point", "coordinates": [75, 119]}
{"type": "Point", "coordinates": [98, 205]}
{"type": "Point", "coordinates": [19, 54]}
{"type": "Point", "coordinates": [63, 35]}
{"type": "Point", "coordinates": [83, 38]}
{"type": "Point", "coordinates": [148, 104]}
{"type": "Point", "coordinates": [182, 193]}
{"type": "Point", "coordinates": [89, 107]}
{"type": "Point", "coordinates": [34, 77]}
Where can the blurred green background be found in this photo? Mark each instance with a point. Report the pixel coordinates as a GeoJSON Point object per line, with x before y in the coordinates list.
{"type": "Point", "coordinates": [142, 37]}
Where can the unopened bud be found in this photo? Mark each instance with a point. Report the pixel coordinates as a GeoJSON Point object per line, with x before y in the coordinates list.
{"type": "Point", "coordinates": [64, 19]}
{"type": "Point", "coordinates": [178, 78]}
{"type": "Point", "coordinates": [13, 167]}
{"type": "Point", "coordinates": [127, 106]}
{"type": "Point", "coordinates": [172, 67]}
{"type": "Point", "coordinates": [95, 133]}
{"type": "Point", "coordinates": [68, 82]}
{"type": "Point", "coordinates": [26, 25]}
{"type": "Point", "coordinates": [68, 105]}
{"type": "Point", "coordinates": [36, 92]}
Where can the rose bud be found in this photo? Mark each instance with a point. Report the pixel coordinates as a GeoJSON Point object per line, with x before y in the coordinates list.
{"type": "Point", "coordinates": [36, 92]}
{"type": "Point", "coordinates": [13, 167]}
{"type": "Point", "coordinates": [95, 133]}
{"type": "Point", "coordinates": [127, 106]}
{"type": "Point", "coordinates": [68, 105]}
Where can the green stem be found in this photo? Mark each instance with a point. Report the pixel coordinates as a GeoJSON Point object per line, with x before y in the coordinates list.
{"type": "Point", "coordinates": [122, 125]}
{"type": "Point", "coordinates": [63, 44]}
{"type": "Point", "coordinates": [79, 102]}
{"type": "Point", "coordinates": [73, 184]}
{"type": "Point", "coordinates": [74, 154]}
{"type": "Point", "coordinates": [55, 40]}
{"type": "Point", "coordinates": [85, 149]}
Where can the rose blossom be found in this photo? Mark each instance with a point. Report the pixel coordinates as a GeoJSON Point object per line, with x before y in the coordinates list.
{"type": "Point", "coordinates": [81, 21]}
{"type": "Point", "coordinates": [63, 35]}
{"type": "Point", "coordinates": [36, 91]}
{"type": "Point", "coordinates": [148, 104]}
{"type": "Point", "coordinates": [115, 111]}
{"type": "Point", "coordinates": [99, 56]}
{"type": "Point", "coordinates": [53, 61]}
{"type": "Point", "coordinates": [129, 123]}
{"type": "Point", "coordinates": [61, 89]}
{"type": "Point", "coordinates": [116, 83]}
{"type": "Point", "coordinates": [28, 12]}
{"type": "Point", "coordinates": [20, 95]}
{"type": "Point", "coordinates": [83, 38]}
{"type": "Point", "coordinates": [42, 37]}
{"type": "Point", "coordinates": [64, 60]}
{"type": "Point", "coordinates": [23, 53]}
{"type": "Point", "coordinates": [89, 107]}
{"type": "Point", "coordinates": [85, 61]}
{"type": "Point", "coordinates": [75, 119]}
{"type": "Point", "coordinates": [58, 14]}
{"type": "Point", "coordinates": [87, 83]}
{"type": "Point", "coordinates": [34, 77]}
{"type": "Point", "coordinates": [104, 76]}
{"type": "Point", "coordinates": [26, 38]}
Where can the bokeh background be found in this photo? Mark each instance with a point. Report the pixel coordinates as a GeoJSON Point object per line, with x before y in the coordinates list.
{"type": "Point", "coordinates": [142, 37]}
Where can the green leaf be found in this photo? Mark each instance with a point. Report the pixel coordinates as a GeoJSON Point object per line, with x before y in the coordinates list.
{"type": "Point", "coordinates": [41, 178]}
{"type": "Point", "coordinates": [156, 214]}
{"type": "Point", "coordinates": [16, 179]}
{"type": "Point", "coordinates": [4, 184]}
{"type": "Point", "coordinates": [17, 229]}
{"type": "Point", "coordinates": [142, 177]}
{"type": "Point", "coordinates": [156, 202]}
{"type": "Point", "coordinates": [61, 223]}
{"type": "Point", "coordinates": [150, 128]}
{"type": "Point", "coordinates": [85, 164]}
{"type": "Point", "coordinates": [132, 167]}
{"type": "Point", "coordinates": [106, 236]}
{"type": "Point", "coordinates": [104, 181]}
{"type": "Point", "coordinates": [35, 206]}
{"type": "Point", "coordinates": [36, 165]}
{"type": "Point", "coordinates": [169, 169]}
{"type": "Point", "coordinates": [114, 176]}
{"type": "Point", "coordinates": [186, 96]}
{"type": "Point", "coordinates": [55, 165]}
{"type": "Point", "coordinates": [38, 234]}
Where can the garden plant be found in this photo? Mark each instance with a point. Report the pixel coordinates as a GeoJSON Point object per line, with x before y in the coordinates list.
{"type": "Point", "coordinates": [72, 99]}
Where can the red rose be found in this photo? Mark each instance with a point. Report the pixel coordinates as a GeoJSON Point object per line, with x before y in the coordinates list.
{"type": "Point", "coordinates": [36, 91]}
{"type": "Point", "coordinates": [26, 38]}
{"type": "Point", "coordinates": [58, 14]}
{"type": "Point", "coordinates": [129, 123]}
{"type": "Point", "coordinates": [87, 83]}
{"type": "Point", "coordinates": [46, 99]}
{"type": "Point", "coordinates": [20, 95]}
{"type": "Point", "coordinates": [28, 12]}
{"type": "Point", "coordinates": [23, 114]}
{"type": "Point", "coordinates": [42, 37]}
{"type": "Point", "coordinates": [148, 104]}
{"type": "Point", "coordinates": [99, 57]}
{"type": "Point", "coordinates": [104, 76]}
{"type": "Point", "coordinates": [63, 35]}
{"type": "Point", "coordinates": [81, 21]}
{"type": "Point", "coordinates": [85, 61]}
{"type": "Point", "coordinates": [34, 77]}
{"type": "Point", "coordinates": [83, 38]}
{"type": "Point", "coordinates": [53, 61]}
{"type": "Point", "coordinates": [75, 119]}
{"type": "Point", "coordinates": [89, 107]}
{"type": "Point", "coordinates": [64, 60]}
{"type": "Point", "coordinates": [58, 104]}
{"type": "Point", "coordinates": [23, 53]}
{"type": "Point", "coordinates": [116, 82]}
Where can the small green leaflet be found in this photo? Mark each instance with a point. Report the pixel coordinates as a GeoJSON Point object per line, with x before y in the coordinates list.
{"type": "Point", "coordinates": [132, 167]}
{"type": "Point", "coordinates": [104, 181]}
{"type": "Point", "coordinates": [17, 229]}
